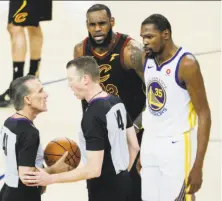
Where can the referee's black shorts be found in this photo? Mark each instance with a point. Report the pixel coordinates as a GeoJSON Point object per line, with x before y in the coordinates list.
{"type": "Point", "coordinates": [22, 193]}
{"type": "Point", "coordinates": [117, 188]}
{"type": "Point", "coordinates": [29, 12]}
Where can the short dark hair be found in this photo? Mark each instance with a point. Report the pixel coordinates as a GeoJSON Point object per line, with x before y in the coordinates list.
{"type": "Point", "coordinates": [86, 65]}
{"type": "Point", "coordinates": [97, 7]}
{"type": "Point", "coordinates": [159, 21]}
{"type": "Point", "coordinates": [18, 90]}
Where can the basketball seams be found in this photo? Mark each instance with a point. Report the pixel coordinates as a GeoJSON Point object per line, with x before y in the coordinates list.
{"type": "Point", "coordinates": [74, 152]}
{"type": "Point", "coordinates": [60, 145]}
{"type": "Point", "coordinates": [71, 145]}
{"type": "Point", "coordinates": [72, 159]}
{"type": "Point", "coordinates": [66, 145]}
{"type": "Point", "coordinates": [68, 152]}
{"type": "Point", "coordinates": [77, 149]}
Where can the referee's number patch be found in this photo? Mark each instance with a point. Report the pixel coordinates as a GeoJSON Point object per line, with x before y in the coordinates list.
{"type": "Point", "coordinates": [120, 120]}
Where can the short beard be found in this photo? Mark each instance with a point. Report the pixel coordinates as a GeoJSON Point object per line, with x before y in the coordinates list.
{"type": "Point", "coordinates": [153, 55]}
{"type": "Point", "coordinates": [105, 43]}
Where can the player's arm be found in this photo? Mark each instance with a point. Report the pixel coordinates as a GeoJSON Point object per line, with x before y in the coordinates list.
{"type": "Point", "coordinates": [78, 50]}
{"type": "Point", "coordinates": [133, 57]}
{"type": "Point", "coordinates": [190, 74]}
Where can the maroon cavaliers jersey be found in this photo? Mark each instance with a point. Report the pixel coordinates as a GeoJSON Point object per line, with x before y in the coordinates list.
{"type": "Point", "coordinates": [116, 79]}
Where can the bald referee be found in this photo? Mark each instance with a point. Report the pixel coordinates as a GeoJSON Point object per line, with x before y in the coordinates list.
{"type": "Point", "coordinates": [108, 144]}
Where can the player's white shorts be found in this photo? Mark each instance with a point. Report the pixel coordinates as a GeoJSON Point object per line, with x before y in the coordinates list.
{"type": "Point", "coordinates": [166, 163]}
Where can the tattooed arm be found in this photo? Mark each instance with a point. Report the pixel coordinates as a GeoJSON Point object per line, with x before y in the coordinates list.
{"type": "Point", "coordinates": [78, 50]}
{"type": "Point", "coordinates": [133, 57]}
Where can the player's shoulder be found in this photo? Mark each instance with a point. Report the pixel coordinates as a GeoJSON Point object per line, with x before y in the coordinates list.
{"type": "Point", "coordinates": [123, 35]}
{"type": "Point", "coordinates": [79, 44]}
{"type": "Point", "coordinates": [131, 41]}
{"type": "Point", "coordinates": [78, 49]}
{"type": "Point", "coordinates": [133, 47]}
{"type": "Point", "coordinates": [187, 59]}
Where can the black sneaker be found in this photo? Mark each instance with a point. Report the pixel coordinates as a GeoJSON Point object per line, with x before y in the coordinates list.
{"type": "Point", "coordinates": [5, 100]}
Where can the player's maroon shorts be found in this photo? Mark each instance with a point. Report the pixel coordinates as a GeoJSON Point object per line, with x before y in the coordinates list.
{"type": "Point", "coordinates": [29, 12]}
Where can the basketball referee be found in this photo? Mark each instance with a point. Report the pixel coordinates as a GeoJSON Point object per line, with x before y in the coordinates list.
{"type": "Point", "coordinates": [26, 15]}
{"type": "Point", "coordinates": [108, 140]}
{"type": "Point", "coordinates": [20, 140]}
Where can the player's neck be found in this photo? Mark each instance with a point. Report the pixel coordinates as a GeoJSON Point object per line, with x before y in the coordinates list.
{"type": "Point", "coordinates": [168, 52]}
{"type": "Point", "coordinates": [26, 113]}
{"type": "Point", "coordinates": [102, 50]}
{"type": "Point", "coordinates": [94, 92]}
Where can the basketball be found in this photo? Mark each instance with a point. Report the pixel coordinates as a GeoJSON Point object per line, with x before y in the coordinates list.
{"type": "Point", "coordinates": [57, 147]}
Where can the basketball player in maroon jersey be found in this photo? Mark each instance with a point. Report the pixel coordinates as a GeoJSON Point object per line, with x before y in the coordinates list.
{"type": "Point", "coordinates": [121, 71]}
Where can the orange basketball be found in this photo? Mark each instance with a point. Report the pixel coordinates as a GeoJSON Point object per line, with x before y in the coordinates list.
{"type": "Point", "coordinates": [57, 147]}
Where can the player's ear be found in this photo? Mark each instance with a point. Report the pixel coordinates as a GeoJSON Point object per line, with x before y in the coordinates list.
{"type": "Point", "coordinates": [112, 21]}
{"type": "Point", "coordinates": [166, 34]}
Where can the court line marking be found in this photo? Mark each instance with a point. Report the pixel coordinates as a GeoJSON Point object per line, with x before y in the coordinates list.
{"type": "Point", "coordinates": [196, 54]}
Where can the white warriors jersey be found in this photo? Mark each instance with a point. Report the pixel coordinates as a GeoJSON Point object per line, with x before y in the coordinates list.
{"type": "Point", "coordinates": [169, 109]}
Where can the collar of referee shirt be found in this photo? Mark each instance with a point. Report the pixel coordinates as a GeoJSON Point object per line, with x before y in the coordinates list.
{"type": "Point", "coordinates": [95, 96]}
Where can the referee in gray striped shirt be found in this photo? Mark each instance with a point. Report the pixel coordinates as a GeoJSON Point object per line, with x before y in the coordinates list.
{"type": "Point", "coordinates": [108, 140]}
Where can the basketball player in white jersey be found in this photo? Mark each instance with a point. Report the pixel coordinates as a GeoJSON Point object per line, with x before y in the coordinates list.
{"type": "Point", "coordinates": [177, 118]}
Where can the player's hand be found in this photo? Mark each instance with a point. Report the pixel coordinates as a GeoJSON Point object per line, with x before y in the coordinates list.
{"type": "Point", "coordinates": [194, 180]}
{"type": "Point", "coordinates": [138, 165]}
{"type": "Point", "coordinates": [40, 178]}
{"type": "Point", "coordinates": [61, 165]}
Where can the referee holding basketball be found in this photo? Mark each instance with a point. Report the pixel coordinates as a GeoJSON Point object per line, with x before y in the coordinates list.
{"type": "Point", "coordinates": [108, 140]}
{"type": "Point", "coordinates": [20, 140]}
